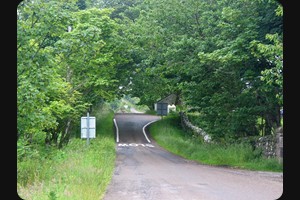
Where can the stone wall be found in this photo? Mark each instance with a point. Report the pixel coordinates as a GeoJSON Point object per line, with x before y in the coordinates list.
{"type": "Point", "coordinates": [268, 145]}
{"type": "Point", "coordinates": [186, 124]}
{"type": "Point", "coordinates": [271, 145]}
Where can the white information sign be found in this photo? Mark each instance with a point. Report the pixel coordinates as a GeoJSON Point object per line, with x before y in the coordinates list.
{"type": "Point", "coordinates": [91, 128]}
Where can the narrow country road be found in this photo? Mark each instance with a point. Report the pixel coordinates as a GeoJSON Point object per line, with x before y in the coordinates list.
{"type": "Point", "coordinates": [145, 171]}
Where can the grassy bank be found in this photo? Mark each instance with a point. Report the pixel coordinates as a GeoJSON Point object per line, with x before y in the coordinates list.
{"type": "Point", "coordinates": [78, 171]}
{"type": "Point", "coordinates": [169, 135]}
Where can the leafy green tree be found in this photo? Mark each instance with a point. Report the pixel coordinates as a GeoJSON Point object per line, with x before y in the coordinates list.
{"type": "Point", "coordinates": [235, 73]}
{"type": "Point", "coordinates": [271, 51]}
{"type": "Point", "coordinates": [67, 62]}
{"type": "Point", "coordinates": [40, 87]}
{"type": "Point", "coordinates": [202, 50]}
{"type": "Point", "coordinates": [223, 58]}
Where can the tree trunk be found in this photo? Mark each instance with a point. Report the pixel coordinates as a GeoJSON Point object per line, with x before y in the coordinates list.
{"type": "Point", "coordinates": [65, 135]}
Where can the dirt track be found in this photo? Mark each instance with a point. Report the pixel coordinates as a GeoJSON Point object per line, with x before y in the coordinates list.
{"type": "Point", "coordinates": [145, 171]}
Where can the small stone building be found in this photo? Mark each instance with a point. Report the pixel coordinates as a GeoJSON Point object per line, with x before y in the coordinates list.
{"type": "Point", "coordinates": [171, 100]}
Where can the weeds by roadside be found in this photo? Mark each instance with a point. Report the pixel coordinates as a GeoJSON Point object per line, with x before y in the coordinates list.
{"type": "Point", "coordinates": [170, 136]}
{"type": "Point", "coordinates": [75, 172]}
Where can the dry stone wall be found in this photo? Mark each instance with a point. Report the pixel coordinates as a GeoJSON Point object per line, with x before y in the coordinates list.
{"type": "Point", "coordinates": [271, 145]}
{"type": "Point", "coordinates": [186, 124]}
{"type": "Point", "coordinates": [268, 145]}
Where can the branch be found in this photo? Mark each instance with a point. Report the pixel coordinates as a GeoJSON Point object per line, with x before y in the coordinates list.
{"type": "Point", "coordinates": [40, 46]}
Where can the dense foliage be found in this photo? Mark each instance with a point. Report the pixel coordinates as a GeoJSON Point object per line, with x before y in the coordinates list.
{"type": "Point", "coordinates": [75, 171]}
{"type": "Point", "coordinates": [68, 60]}
{"type": "Point", "coordinates": [223, 58]}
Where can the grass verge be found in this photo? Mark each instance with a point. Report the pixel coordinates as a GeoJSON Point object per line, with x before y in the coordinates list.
{"type": "Point", "coordinates": [78, 171]}
{"type": "Point", "coordinates": [168, 134]}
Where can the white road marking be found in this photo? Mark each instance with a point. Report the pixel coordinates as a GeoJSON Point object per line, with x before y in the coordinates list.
{"type": "Point", "coordinates": [145, 131]}
{"type": "Point", "coordinates": [134, 145]}
{"type": "Point", "coordinates": [117, 130]}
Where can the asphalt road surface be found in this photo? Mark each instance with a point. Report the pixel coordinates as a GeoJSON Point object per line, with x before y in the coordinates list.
{"type": "Point", "coordinates": [145, 171]}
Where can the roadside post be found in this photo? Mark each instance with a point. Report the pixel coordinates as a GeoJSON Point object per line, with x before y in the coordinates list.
{"type": "Point", "coordinates": [88, 128]}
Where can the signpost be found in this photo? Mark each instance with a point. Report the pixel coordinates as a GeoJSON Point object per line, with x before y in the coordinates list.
{"type": "Point", "coordinates": [88, 128]}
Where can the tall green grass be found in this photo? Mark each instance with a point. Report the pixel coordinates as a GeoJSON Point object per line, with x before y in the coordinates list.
{"type": "Point", "coordinates": [168, 134]}
{"type": "Point", "coordinates": [78, 171]}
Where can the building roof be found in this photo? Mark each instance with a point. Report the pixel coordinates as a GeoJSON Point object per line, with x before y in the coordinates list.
{"type": "Point", "coordinates": [170, 99]}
